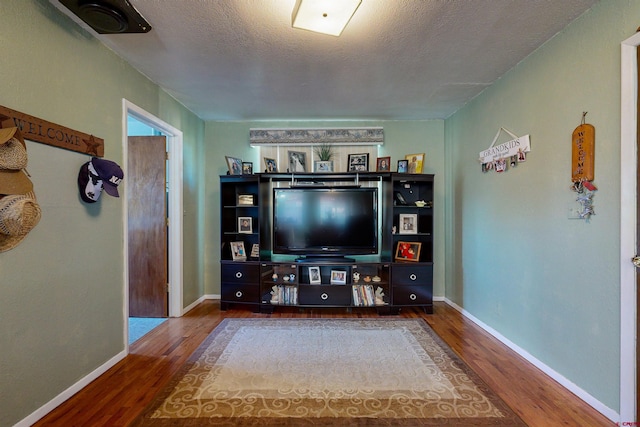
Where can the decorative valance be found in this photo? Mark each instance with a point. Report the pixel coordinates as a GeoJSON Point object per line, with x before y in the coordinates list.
{"type": "Point", "coordinates": [306, 136]}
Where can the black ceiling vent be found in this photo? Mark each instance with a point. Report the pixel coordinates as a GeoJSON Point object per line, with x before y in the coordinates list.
{"type": "Point", "coordinates": [109, 16]}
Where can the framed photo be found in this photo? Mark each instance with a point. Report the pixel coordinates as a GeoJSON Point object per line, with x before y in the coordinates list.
{"type": "Point", "coordinates": [247, 168]}
{"type": "Point", "coordinates": [297, 161]}
{"type": "Point", "coordinates": [237, 251]}
{"type": "Point", "coordinates": [245, 199]}
{"type": "Point", "coordinates": [408, 251]}
{"type": "Point", "coordinates": [338, 277]}
{"type": "Point", "coordinates": [358, 162]}
{"type": "Point", "coordinates": [408, 224]}
{"type": "Point", "coordinates": [323, 166]}
{"type": "Point", "coordinates": [234, 164]}
{"type": "Point", "coordinates": [255, 251]}
{"type": "Point", "coordinates": [403, 166]}
{"type": "Point", "coordinates": [415, 162]}
{"type": "Point", "coordinates": [314, 276]}
{"type": "Point", "coordinates": [245, 225]}
{"type": "Point", "coordinates": [383, 164]}
{"type": "Point", "coordinates": [270, 165]}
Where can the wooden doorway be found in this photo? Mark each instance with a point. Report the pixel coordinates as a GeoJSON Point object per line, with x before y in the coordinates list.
{"type": "Point", "coordinates": [147, 226]}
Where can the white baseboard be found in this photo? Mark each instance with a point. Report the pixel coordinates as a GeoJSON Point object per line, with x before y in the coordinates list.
{"type": "Point", "coordinates": [586, 397]}
{"type": "Point", "coordinates": [62, 397]}
{"type": "Point", "coordinates": [198, 301]}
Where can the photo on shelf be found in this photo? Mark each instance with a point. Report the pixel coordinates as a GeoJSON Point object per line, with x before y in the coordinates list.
{"type": "Point", "coordinates": [415, 162]}
{"type": "Point", "coordinates": [297, 161]}
{"type": "Point", "coordinates": [338, 277]}
{"type": "Point", "coordinates": [245, 224]}
{"type": "Point", "coordinates": [314, 276]}
{"type": "Point", "coordinates": [247, 168]}
{"type": "Point", "coordinates": [237, 251]}
{"type": "Point", "coordinates": [383, 164]}
{"type": "Point", "coordinates": [358, 162]}
{"type": "Point", "coordinates": [408, 224]}
{"type": "Point", "coordinates": [245, 199]}
{"type": "Point", "coordinates": [234, 164]}
{"type": "Point", "coordinates": [403, 166]}
{"type": "Point", "coordinates": [408, 251]}
{"type": "Point", "coordinates": [270, 165]}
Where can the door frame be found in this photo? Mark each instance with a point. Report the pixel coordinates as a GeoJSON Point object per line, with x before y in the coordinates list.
{"type": "Point", "coordinates": [628, 221]}
{"type": "Point", "coordinates": [175, 239]}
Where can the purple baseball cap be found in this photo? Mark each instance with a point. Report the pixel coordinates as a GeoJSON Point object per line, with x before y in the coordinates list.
{"type": "Point", "coordinates": [110, 173]}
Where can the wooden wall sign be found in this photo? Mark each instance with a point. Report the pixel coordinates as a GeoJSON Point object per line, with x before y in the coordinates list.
{"type": "Point", "coordinates": [582, 152]}
{"type": "Point", "coordinates": [38, 130]}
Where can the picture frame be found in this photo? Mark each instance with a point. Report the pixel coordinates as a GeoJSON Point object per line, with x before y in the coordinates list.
{"type": "Point", "coordinates": [314, 276]}
{"type": "Point", "coordinates": [416, 162]}
{"type": "Point", "coordinates": [323, 166]}
{"type": "Point", "coordinates": [234, 164]}
{"type": "Point", "coordinates": [270, 165]}
{"type": "Point", "coordinates": [383, 164]}
{"type": "Point", "coordinates": [408, 251]}
{"type": "Point", "coordinates": [255, 251]}
{"type": "Point", "coordinates": [408, 224]}
{"type": "Point", "coordinates": [297, 161]}
{"type": "Point", "coordinates": [247, 168]}
{"type": "Point", "coordinates": [237, 251]}
{"type": "Point", "coordinates": [403, 166]}
{"type": "Point", "coordinates": [338, 277]}
{"type": "Point", "coordinates": [245, 199]}
{"type": "Point", "coordinates": [358, 162]}
{"type": "Point", "coordinates": [245, 224]}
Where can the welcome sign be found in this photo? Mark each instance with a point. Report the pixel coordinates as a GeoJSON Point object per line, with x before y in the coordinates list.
{"type": "Point", "coordinates": [38, 130]}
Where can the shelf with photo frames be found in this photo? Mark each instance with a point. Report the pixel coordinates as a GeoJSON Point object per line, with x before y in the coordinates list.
{"type": "Point", "coordinates": [402, 270]}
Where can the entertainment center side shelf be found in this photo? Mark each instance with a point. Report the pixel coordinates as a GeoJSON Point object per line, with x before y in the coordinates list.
{"type": "Point", "coordinates": [397, 273]}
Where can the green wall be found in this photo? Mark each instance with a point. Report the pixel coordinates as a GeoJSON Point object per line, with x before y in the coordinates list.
{"type": "Point", "coordinates": [61, 304]}
{"type": "Point", "coordinates": [514, 260]}
{"type": "Point", "coordinates": [400, 138]}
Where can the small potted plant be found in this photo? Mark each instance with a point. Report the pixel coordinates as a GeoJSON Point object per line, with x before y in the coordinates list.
{"type": "Point", "coordinates": [325, 155]}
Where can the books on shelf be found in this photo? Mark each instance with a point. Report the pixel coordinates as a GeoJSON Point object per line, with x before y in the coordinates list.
{"type": "Point", "coordinates": [363, 295]}
{"type": "Point", "coordinates": [284, 295]}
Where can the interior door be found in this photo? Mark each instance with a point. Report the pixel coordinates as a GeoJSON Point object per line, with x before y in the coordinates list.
{"type": "Point", "coordinates": [146, 196]}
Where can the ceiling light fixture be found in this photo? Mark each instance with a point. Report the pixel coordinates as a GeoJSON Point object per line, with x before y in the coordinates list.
{"type": "Point", "coordinates": [323, 16]}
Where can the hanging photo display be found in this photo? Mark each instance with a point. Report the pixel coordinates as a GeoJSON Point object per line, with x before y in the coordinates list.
{"type": "Point", "coordinates": [507, 154]}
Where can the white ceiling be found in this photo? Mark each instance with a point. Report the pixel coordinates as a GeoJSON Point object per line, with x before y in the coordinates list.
{"type": "Point", "coordinates": [397, 59]}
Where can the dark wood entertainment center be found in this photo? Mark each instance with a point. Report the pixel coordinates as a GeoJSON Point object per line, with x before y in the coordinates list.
{"type": "Point", "coordinates": [263, 280]}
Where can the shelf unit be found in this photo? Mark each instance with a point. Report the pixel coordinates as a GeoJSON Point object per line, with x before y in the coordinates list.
{"type": "Point", "coordinates": [265, 281]}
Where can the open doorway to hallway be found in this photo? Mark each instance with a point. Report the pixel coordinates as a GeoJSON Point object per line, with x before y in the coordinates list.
{"type": "Point", "coordinates": [136, 121]}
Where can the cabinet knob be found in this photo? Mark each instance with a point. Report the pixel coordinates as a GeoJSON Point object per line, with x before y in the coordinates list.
{"type": "Point", "coordinates": [413, 276]}
{"type": "Point", "coordinates": [324, 296]}
{"type": "Point", "coordinates": [412, 297]}
{"type": "Point", "coordinates": [238, 274]}
{"type": "Point", "coordinates": [239, 294]}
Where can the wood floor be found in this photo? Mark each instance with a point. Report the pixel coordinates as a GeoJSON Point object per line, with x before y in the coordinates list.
{"type": "Point", "coordinates": [119, 395]}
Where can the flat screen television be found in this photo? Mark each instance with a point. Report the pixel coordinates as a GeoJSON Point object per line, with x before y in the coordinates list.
{"type": "Point", "coordinates": [325, 222]}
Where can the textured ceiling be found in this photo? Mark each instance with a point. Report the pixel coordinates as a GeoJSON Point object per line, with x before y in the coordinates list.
{"type": "Point", "coordinates": [397, 59]}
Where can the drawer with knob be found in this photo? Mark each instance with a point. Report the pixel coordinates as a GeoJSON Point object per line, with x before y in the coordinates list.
{"type": "Point", "coordinates": [240, 293]}
{"type": "Point", "coordinates": [408, 275]}
{"type": "Point", "coordinates": [240, 273]}
{"type": "Point", "coordinates": [412, 295]}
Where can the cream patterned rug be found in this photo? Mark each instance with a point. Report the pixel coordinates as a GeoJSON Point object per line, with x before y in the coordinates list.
{"type": "Point", "coordinates": [326, 372]}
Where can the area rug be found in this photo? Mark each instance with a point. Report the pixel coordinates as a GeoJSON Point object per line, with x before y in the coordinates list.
{"type": "Point", "coordinates": [326, 372]}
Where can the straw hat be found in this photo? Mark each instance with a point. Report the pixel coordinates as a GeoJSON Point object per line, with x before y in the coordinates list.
{"type": "Point", "coordinates": [19, 214]}
{"type": "Point", "coordinates": [13, 161]}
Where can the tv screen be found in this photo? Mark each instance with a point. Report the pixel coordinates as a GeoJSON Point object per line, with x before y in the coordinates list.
{"type": "Point", "coordinates": [325, 221]}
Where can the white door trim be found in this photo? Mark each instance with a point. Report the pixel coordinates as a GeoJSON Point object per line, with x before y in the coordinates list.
{"type": "Point", "coordinates": [628, 192]}
{"type": "Point", "coordinates": [175, 144]}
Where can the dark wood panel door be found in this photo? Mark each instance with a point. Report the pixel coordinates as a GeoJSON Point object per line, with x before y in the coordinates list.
{"type": "Point", "coordinates": [146, 196]}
